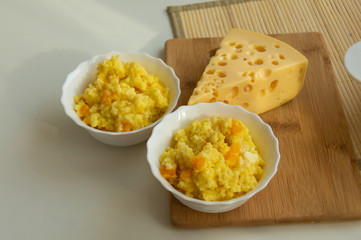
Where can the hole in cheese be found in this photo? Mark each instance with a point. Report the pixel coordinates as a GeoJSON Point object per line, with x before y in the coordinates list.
{"type": "Point", "coordinates": [231, 43]}
{"type": "Point", "coordinates": [226, 101]}
{"type": "Point", "coordinates": [275, 62]}
{"type": "Point", "coordinates": [258, 61]}
{"type": "Point", "coordinates": [281, 56]}
{"type": "Point", "coordinates": [245, 105]}
{"type": "Point", "coordinates": [251, 74]}
{"type": "Point", "coordinates": [234, 56]}
{"type": "Point", "coordinates": [221, 74]}
{"type": "Point", "coordinates": [222, 63]}
{"type": "Point", "coordinates": [210, 72]}
{"type": "Point", "coordinates": [262, 93]}
{"type": "Point", "coordinates": [212, 100]}
{"type": "Point", "coordinates": [274, 84]}
{"type": "Point", "coordinates": [264, 73]}
{"type": "Point", "coordinates": [244, 74]}
{"type": "Point", "coordinates": [234, 92]}
{"type": "Point", "coordinates": [252, 80]}
{"type": "Point", "coordinates": [248, 88]}
{"type": "Point", "coordinates": [244, 59]}
{"type": "Point", "coordinates": [259, 48]}
{"type": "Point", "coordinates": [215, 93]}
{"type": "Point", "coordinates": [250, 63]}
{"type": "Point", "coordinates": [238, 46]}
{"type": "Point", "coordinates": [277, 46]}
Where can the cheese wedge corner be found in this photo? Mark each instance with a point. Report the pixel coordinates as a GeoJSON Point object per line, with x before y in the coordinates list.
{"type": "Point", "coordinates": [252, 70]}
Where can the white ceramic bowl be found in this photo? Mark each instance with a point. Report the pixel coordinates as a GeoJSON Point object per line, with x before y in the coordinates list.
{"type": "Point", "coordinates": [352, 61]}
{"type": "Point", "coordinates": [261, 132]}
{"type": "Point", "coordinates": [78, 80]}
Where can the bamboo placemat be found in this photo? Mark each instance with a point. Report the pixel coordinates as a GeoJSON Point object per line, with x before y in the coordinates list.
{"type": "Point", "coordinates": [338, 20]}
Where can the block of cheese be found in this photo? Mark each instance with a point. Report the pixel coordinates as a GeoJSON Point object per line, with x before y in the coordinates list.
{"type": "Point", "coordinates": [253, 70]}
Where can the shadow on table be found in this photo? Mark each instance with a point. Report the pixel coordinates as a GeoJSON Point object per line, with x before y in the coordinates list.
{"type": "Point", "coordinates": [59, 153]}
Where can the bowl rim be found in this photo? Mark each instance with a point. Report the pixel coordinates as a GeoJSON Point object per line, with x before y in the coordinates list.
{"type": "Point", "coordinates": [244, 197]}
{"type": "Point", "coordinates": [68, 110]}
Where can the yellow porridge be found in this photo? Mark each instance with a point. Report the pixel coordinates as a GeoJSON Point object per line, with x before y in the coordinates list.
{"type": "Point", "coordinates": [124, 97]}
{"type": "Point", "coordinates": [212, 159]}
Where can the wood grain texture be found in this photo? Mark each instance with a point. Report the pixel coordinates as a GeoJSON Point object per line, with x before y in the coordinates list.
{"type": "Point", "coordinates": [318, 178]}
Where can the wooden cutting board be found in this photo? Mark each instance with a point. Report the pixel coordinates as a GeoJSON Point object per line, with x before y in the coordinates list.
{"type": "Point", "coordinates": [318, 178]}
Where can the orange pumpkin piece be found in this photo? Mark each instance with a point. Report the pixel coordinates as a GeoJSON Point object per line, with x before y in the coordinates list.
{"type": "Point", "coordinates": [236, 127]}
{"type": "Point", "coordinates": [127, 127]}
{"type": "Point", "coordinates": [167, 173]}
{"type": "Point", "coordinates": [185, 175]}
{"type": "Point", "coordinates": [107, 97]}
{"type": "Point", "coordinates": [84, 109]}
{"type": "Point", "coordinates": [198, 162]}
{"type": "Point", "coordinates": [232, 156]}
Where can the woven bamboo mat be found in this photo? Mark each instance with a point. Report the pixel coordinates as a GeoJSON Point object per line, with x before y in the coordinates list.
{"type": "Point", "coordinates": [338, 20]}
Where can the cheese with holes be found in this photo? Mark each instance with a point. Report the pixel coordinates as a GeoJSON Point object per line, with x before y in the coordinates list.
{"type": "Point", "coordinates": [253, 70]}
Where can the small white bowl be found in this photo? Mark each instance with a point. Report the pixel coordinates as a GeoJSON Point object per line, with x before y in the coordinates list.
{"type": "Point", "coordinates": [263, 137]}
{"type": "Point", "coordinates": [78, 80]}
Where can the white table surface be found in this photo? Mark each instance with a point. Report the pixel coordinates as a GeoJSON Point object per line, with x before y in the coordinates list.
{"type": "Point", "coordinates": [56, 181]}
